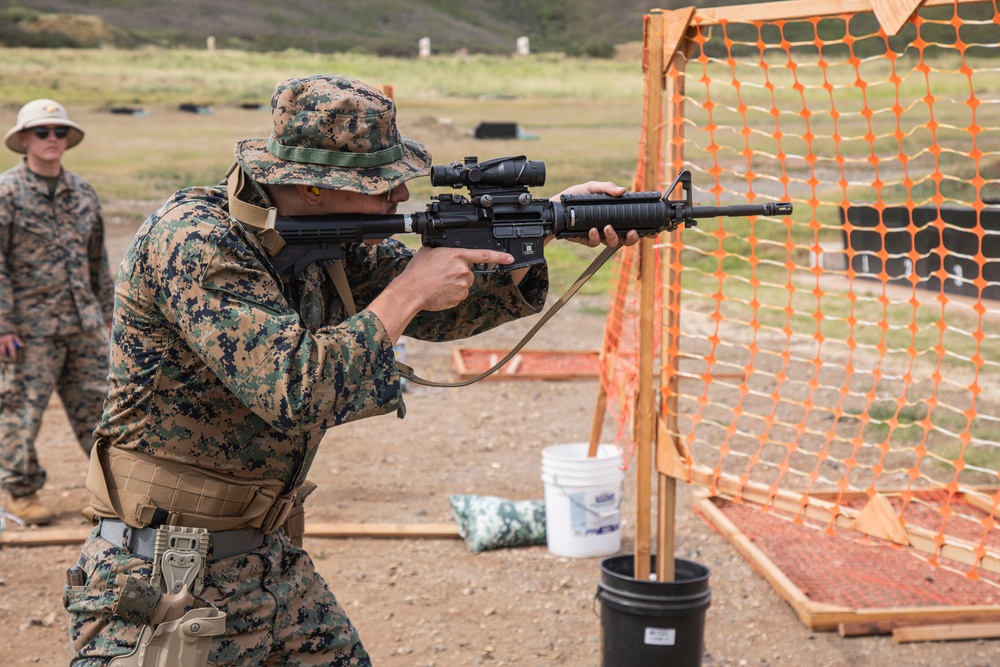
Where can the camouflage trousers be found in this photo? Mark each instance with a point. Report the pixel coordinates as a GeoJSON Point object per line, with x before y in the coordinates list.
{"type": "Point", "coordinates": [279, 611]}
{"type": "Point", "coordinates": [76, 367]}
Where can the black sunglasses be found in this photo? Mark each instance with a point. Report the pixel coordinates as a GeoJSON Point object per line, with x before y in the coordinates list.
{"type": "Point", "coordinates": [43, 132]}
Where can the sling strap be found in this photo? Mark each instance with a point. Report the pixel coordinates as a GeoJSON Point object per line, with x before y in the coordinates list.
{"type": "Point", "coordinates": [261, 222]}
{"type": "Point", "coordinates": [339, 277]}
{"type": "Point", "coordinates": [407, 371]}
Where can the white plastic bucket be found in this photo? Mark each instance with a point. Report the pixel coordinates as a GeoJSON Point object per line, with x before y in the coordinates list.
{"type": "Point", "coordinates": [583, 499]}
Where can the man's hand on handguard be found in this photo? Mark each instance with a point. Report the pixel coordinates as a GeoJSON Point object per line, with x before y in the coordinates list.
{"type": "Point", "coordinates": [611, 238]}
{"type": "Point", "coordinates": [435, 279]}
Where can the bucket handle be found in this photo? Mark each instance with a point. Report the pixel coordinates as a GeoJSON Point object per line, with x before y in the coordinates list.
{"type": "Point", "coordinates": [599, 515]}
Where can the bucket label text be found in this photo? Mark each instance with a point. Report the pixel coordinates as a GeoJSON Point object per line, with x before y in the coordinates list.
{"type": "Point", "coordinates": [661, 636]}
{"type": "Point", "coordinates": [595, 512]}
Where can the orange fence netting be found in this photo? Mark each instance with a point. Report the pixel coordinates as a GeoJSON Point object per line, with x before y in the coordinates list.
{"type": "Point", "coordinates": [850, 349]}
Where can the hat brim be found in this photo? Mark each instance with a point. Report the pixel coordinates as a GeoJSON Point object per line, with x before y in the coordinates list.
{"type": "Point", "coordinates": [263, 167]}
{"type": "Point", "coordinates": [74, 137]}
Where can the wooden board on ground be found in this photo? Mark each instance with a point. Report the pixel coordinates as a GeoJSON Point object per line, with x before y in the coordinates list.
{"type": "Point", "coordinates": [947, 632]}
{"type": "Point", "coordinates": [41, 537]}
{"type": "Point", "coordinates": [383, 530]}
{"type": "Point", "coordinates": [527, 364]}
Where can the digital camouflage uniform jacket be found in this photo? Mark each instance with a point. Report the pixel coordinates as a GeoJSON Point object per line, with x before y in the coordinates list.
{"type": "Point", "coordinates": [213, 366]}
{"type": "Point", "coordinates": [54, 277]}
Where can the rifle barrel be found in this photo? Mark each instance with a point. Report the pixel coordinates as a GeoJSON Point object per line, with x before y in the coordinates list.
{"type": "Point", "coordinates": [742, 210]}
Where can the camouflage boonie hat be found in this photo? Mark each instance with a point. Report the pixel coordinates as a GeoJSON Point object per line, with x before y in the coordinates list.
{"type": "Point", "coordinates": [336, 133]}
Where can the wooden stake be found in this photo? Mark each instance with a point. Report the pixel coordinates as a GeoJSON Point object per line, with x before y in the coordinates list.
{"type": "Point", "coordinates": [598, 424]}
{"type": "Point", "coordinates": [646, 414]}
{"type": "Point", "coordinates": [43, 537]}
{"type": "Point", "coordinates": [668, 444]}
{"type": "Point", "coordinates": [653, 45]}
{"type": "Point", "coordinates": [383, 530]}
{"type": "Point", "coordinates": [666, 520]}
{"type": "Point", "coordinates": [888, 625]}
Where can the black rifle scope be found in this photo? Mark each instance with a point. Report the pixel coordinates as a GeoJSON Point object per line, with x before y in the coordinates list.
{"type": "Point", "coordinates": [505, 172]}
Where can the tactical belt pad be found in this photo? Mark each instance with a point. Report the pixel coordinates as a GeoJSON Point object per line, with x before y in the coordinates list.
{"type": "Point", "coordinates": [133, 487]}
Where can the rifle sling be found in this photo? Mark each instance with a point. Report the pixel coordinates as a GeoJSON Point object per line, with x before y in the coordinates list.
{"type": "Point", "coordinates": [407, 371]}
{"type": "Point", "coordinates": [261, 222]}
{"type": "Point", "coordinates": [339, 277]}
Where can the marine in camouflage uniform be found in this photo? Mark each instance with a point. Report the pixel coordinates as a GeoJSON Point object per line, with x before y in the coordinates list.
{"type": "Point", "coordinates": [225, 372]}
{"type": "Point", "coordinates": [56, 296]}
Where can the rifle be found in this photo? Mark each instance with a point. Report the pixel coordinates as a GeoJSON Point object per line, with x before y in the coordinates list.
{"type": "Point", "coordinates": [501, 214]}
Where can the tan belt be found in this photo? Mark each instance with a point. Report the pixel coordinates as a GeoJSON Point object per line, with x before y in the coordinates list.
{"type": "Point", "coordinates": [135, 488]}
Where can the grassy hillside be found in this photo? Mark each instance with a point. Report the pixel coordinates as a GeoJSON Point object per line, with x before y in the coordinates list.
{"type": "Point", "coordinates": [382, 27]}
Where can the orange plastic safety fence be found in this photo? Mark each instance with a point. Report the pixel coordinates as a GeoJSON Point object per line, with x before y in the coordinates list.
{"type": "Point", "coordinates": [851, 346]}
{"type": "Point", "coordinates": [620, 352]}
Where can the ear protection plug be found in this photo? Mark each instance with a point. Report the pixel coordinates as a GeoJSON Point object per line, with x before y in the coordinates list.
{"type": "Point", "coordinates": [314, 190]}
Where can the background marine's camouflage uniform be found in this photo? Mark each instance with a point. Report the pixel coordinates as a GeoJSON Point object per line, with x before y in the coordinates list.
{"type": "Point", "coordinates": [217, 364]}
{"type": "Point", "coordinates": [56, 294]}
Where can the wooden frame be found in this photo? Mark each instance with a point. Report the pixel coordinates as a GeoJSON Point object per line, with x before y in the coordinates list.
{"type": "Point", "coordinates": [514, 369]}
{"type": "Point", "coordinates": [801, 9]}
{"type": "Point", "coordinates": [818, 508]}
{"type": "Point", "coordinates": [667, 40]}
{"type": "Point", "coordinates": [848, 621]}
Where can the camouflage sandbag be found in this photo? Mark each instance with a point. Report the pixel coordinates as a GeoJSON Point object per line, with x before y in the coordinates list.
{"type": "Point", "coordinates": [486, 522]}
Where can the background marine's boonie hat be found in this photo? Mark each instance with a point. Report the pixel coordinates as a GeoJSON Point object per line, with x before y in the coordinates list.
{"type": "Point", "coordinates": [42, 112]}
{"type": "Point", "coordinates": [336, 133]}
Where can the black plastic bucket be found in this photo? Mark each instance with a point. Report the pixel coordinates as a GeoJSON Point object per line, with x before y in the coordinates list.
{"type": "Point", "coordinates": [646, 623]}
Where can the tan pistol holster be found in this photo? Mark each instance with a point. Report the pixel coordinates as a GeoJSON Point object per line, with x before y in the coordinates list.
{"type": "Point", "coordinates": [135, 488]}
{"type": "Point", "coordinates": [181, 643]}
{"type": "Point", "coordinates": [180, 631]}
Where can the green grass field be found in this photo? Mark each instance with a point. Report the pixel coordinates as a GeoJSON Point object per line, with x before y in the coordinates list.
{"type": "Point", "coordinates": [585, 114]}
